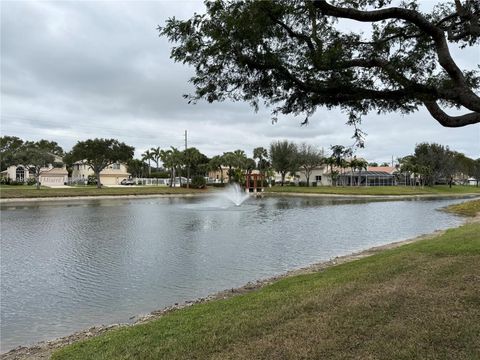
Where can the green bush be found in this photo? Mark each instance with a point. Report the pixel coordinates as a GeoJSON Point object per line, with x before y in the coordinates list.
{"type": "Point", "coordinates": [31, 181]}
{"type": "Point", "coordinates": [13, 182]}
{"type": "Point", "coordinates": [198, 182]}
{"type": "Point", "coordinates": [4, 181]}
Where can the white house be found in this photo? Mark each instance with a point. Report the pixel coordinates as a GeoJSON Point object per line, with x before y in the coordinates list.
{"type": "Point", "coordinates": [111, 175]}
{"type": "Point", "coordinates": [49, 175]}
{"type": "Point", "coordinates": [320, 176]}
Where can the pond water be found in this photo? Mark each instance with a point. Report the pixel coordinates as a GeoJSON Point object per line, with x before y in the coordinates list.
{"type": "Point", "coordinates": [66, 266]}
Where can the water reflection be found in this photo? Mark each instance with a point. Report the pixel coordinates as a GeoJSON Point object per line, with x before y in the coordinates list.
{"type": "Point", "coordinates": [66, 266]}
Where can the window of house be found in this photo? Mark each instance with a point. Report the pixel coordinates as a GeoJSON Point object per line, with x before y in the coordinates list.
{"type": "Point", "coordinates": [20, 174]}
{"type": "Point", "coordinates": [318, 178]}
{"type": "Point", "coordinates": [116, 166]}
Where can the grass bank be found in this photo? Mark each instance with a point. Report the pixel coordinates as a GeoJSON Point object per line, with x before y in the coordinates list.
{"type": "Point", "coordinates": [23, 191]}
{"type": "Point", "coordinates": [469, 208]}
{"type": "Point", "coordinates": [16, 192]}
{"type": "Point", "coordinates": [417, 301]}
{"type": "Point", "coordinates": [377, 190]}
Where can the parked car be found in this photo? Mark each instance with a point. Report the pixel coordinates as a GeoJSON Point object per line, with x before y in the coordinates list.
{"type": "Point", "coordinates": [127, 182]}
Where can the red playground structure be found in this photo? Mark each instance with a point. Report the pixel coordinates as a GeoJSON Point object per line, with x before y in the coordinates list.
{"type": "Point", "coordinates": [254, 184]}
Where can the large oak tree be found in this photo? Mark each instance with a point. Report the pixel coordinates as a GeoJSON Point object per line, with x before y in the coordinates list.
{"type": "Point", "coordinates": [100, 153]}
{"type": "Point", "coordinates": [296, 56]}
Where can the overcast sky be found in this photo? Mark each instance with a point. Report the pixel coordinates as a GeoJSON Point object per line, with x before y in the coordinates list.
{"type": "Point", "coordinates": [73, 70]}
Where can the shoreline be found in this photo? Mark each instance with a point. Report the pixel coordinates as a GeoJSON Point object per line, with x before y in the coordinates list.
{"type": "Point", "coordinates": [188, 195]}
{"type": "Point", "coordinates": [100, 197]}
{"type": "Point", "coordinates": [44, 349]}
{"type": "Point", "coordinates": [389, 197]}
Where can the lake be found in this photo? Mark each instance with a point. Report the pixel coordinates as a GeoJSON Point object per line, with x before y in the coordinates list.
{"type": "Point", "coordinates": [69, 265]}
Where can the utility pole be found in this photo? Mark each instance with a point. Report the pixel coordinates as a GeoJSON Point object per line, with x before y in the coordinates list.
{"type": "Point", "coordinates": [188, 166]}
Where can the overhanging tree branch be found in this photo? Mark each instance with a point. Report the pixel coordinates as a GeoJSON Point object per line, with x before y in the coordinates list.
{"type": "Point", "coordinates": [451, 121]}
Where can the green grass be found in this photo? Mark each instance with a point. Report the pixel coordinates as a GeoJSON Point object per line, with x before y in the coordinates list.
{"type": "Point", "coordinates": [23, 191]}
{"type": "Point", "coordinates": [377, 190]}
{"type": "Point", "coordinates": [468, 208]}
{"type": "Point", "coordinates": [417, 301]}
{"type": "Point", "coordinates": [11, 192]}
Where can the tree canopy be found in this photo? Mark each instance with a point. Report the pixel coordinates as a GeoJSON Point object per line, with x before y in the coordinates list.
{"type": "Point", "coordinates": [296, 56]}
{"type": "Point", "coordinates": [100, 153]}
{"type": "Point", "coordinates": [284, 156]}
{"type": "Point", "coordinates": [308, 157]}
{"type": "Point", "coordinates": [34, 156]}
{"type": "Point", "coordinates": [435, 163]}
{"type": "Point", "coordinates": [9, 147]}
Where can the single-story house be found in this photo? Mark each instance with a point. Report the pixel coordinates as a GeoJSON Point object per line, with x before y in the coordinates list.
{"type": "Point", "coordinates": [320, 176]}
{"type": "Point", "coordinates": [367, 178]}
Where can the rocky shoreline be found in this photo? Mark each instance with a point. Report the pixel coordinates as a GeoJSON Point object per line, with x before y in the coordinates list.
{"type": "Point", "coordinates": [43, 350]}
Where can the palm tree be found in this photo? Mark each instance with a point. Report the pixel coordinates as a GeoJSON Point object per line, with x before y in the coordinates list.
{"type": "Point", "coordinates": [167, 159]}
{"type": "Point", "coordinates": [147, 156]}
{"type": "Point", "coordinates": [215, 164]}
{"type": "Point", "coordinates": [191, 158]}
{"type": "Point", "coordinates": [155, 155]}
{"type": "Point", "coordinates": [240, 164]}
{"type": "Point", "coordinates": [330, 161]}
{"type": "Point", "coordinates": [261, 154]}
{"type": "Point", "coordinates": [353, 166]}
{"type": "Point", "coordinates": [361, 165]}
{"type": "Point", "coordinates": [230, 160]}
{"type": "Point", "coordinates": [177, 162]}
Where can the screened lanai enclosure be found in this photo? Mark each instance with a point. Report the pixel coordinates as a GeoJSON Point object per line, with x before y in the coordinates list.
{"type": "Point", "coordinates": [367, 178]}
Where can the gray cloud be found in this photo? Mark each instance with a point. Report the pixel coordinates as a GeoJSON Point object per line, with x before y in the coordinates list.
{"type": "Point", "coordinates": [76, 70]}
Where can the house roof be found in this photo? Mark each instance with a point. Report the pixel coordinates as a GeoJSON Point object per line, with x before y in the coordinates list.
{"type": "Point", "coordinates": [54, 171]}
{"type": "Point", "coordinates": [387, 169]}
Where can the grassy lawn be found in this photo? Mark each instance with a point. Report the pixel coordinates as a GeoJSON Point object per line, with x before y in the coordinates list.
{"type": "Point", "coordinates": [377, 190]}
{"type": "Point", "coordinates": [417, 301]}
{"type": "Point", "coordinates": [24, 191]}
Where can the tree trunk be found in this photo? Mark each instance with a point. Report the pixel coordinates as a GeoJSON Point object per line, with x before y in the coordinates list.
{"type": "Point", "coordinates": [37, 178]}
{"type": "Point", "coordinates": [283, 178]}
{"type": "Point", "coordinates": [99, 183]}
{"type": "Point", "coordinates": [188, 177]}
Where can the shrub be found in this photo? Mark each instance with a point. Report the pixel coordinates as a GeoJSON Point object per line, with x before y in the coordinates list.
{"type": "Point", "coordinates": [198, 182]}
{"type": "Point", "coordinates": [31, 181]}
{"type": "Point", "coordinates": [4, 181]}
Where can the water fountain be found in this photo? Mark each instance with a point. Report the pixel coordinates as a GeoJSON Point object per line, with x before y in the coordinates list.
{"type": "Point", "coordinates": [235, 194]}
